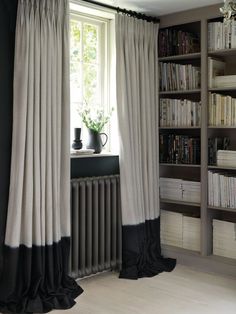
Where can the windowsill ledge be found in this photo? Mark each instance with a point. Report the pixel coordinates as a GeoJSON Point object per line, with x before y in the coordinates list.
{"type": "Point", "coordinates": [94, 155]}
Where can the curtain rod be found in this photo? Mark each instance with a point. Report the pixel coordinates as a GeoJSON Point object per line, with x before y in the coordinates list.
{"type": "Point", "coordinates": [137, 15]}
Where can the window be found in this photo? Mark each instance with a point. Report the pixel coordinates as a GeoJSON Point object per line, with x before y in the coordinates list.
{"type": "Point", "coordinates": [89, 67]}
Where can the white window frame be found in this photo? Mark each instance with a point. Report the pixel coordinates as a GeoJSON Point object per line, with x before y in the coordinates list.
{"type": "Point", "coordinates": [78, 13]}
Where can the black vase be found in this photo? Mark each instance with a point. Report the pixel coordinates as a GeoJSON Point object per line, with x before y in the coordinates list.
{"type": "Point", "coordinates": [95, 141]}
{"type": "Point", "coordinates": [77, 144]}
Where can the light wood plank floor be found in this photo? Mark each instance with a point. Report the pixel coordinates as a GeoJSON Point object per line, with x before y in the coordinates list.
{"type": "Point", "coordinates": [184, 291]}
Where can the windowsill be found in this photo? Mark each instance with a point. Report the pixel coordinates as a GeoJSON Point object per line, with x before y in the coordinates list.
{"type": "Point", "coordinates": [94, 155]}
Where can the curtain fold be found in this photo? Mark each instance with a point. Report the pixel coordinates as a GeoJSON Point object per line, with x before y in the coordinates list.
{"type": "Point", "coordinates": [137, 102]}
{"type": "Point", "coordinates": [37, 240]}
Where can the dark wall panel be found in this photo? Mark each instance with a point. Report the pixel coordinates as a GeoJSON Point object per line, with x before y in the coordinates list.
{"type": "Point", "coordinates": [94, 166]}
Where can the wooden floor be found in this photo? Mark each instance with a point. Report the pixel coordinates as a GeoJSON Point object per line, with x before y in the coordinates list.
{"type": "Point", "coordinates": [184, 291]}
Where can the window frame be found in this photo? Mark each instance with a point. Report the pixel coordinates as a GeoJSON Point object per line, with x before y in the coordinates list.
{"type": "Point", "coordinates": [103, 25]}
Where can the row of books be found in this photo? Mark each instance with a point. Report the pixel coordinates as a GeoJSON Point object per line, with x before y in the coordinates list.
{"type": "Point", "coordinates": [224, 238]}
{"type": "Point", "coordinates": [179, 76]}
{"type": "Point", "coordinates": [214, 145]}
{"type": "Point", "coordinates": [226, 158]}
{"type": "Point", "coordinates": [222, 110]}
{"type": "Point", "coordinates": [179, 149]}
{"type": "Point", "coordinates": [221, 189]}
{"type": "Point", "coordinates": [177, 42]}
{"type": "Point", "coordinates": [181, 190]}
{"type": "Point", "coordinates": [179, 112]}
{"type": "Point", "coordinates": [222, 35]}
{"type": "Point", "coordinates": [180, 230]}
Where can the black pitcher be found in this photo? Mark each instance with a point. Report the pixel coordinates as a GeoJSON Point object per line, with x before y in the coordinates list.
{"type": "Point", "coordinates": [95, 141]}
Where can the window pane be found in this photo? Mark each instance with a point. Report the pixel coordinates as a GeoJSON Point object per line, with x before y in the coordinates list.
{"type": "Point", "coordinates": [90, 43]}
{"type": "Point", "coordinates": [76, 83]}
{"type": "Point", "coordinates": [75, 42]}
{"type": "Point", "coordinates": [90, 84]}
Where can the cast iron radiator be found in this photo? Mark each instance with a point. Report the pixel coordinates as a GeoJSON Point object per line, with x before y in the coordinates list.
{"type": "Point", "coordinates": [96, 225]}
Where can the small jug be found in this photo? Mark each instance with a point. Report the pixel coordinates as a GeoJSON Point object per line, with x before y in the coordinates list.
{"type": "Point", "coordinates": [95, 141]}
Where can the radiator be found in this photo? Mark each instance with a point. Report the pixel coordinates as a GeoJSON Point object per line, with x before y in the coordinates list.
{"type": "Point", "coordinates": [96, 225]}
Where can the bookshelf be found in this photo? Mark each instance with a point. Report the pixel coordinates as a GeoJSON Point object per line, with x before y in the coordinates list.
{"type": "Point", "coordinates": [187, 22]}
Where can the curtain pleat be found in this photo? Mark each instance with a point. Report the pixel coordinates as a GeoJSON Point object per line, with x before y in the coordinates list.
{"type": "Point", "coordinates": [137, 102]}
{"type": "Point", "coordinates": [37, 235]}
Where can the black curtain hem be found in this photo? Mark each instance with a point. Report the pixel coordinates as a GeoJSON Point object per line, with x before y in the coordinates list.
{"type": "Point", "coordinates": [141, 251]}
{"type": "Point", "coordinates": [36, 280]}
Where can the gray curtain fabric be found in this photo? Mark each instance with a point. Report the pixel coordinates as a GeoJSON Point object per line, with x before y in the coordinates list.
{"type": "Point", "coordinates": [137, 102]}
{"type": "Point", "coordinates": [39, 199]}
{"type": "Point", "coordinates": [37, 240]}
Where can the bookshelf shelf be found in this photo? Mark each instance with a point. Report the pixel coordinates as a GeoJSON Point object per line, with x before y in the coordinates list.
{"type": "Point", "coordinates": [179, 92]}
{"type": "Point", "coordinates": [222, 89]}
{"type": "Point", "coordinates": [227, 209]}
{"type": "Point", "coordinates": [179, 249]}
{"type": "Point", "coordinates": [180, 165]}
{"type": "Point", "coordinates": [222, 52]}
{"type": "Point", "coordinates": [179, 128]}
{"type": "Point", "coordinates": [225, 260]}
{"type": "Point", "coordinates": [221, 167]}
{"type": "Point", "coordinates": [168, 201]}
{"type": "Point", "coordinates": [222, 127]}
{"type": "Point", "coordinates": [189, 56]}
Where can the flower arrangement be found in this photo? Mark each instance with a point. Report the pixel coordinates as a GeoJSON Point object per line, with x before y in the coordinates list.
{"type": "Point", "coordinates": [94, 119]}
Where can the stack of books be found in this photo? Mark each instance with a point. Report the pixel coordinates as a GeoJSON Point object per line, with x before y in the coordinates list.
{"type": "Point", "coordinates": [191, 191]}
{"type": "Point", "coordinates": [171, 228]}
{"type": "Point", "coordinates": [79, 152]}
{"type": "Point", "coordinates": [191, 233]}
{"type": "Point", "coordinates": [179, 112]}
{"type": "Point", "coordinates": [180, 190]}
{"type": "Point", "coordinates": [177, 42]}
{"type": "Point", "coordinates": [226, 158]}
{"type": "Point", "coordinates": [179, 149]}
{"type": "Point", "coordinates": [179, 77]}
{"type": "Point", "coordinates": [221, 190]}
{"type": "Point", "coordinates": [215, 144]}
{"type": "Point", "coordinates": [171, 189]}
{"type": "Point", "coordinates": [222, 35]}
{"type": "Point", "coordinates": [180, 230]}
{"type": "Point", "coordinates": [222, 110]}
{"type": "Point", "coordinates": [224, 238]}
{"type": "Point", "coordinates": [217, 77]}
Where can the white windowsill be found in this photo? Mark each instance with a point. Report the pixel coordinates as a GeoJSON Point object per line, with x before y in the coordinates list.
{"type": "Point", "coordinates": [94, 155]}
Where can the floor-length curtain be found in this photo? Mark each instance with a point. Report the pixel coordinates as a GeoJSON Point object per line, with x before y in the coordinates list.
{"type": "Point", "coordinates": [36, 250]}
{"type": "Point", "coordinates": [8, 10]}
{"type": "Point", "coordinates": [137, 102]}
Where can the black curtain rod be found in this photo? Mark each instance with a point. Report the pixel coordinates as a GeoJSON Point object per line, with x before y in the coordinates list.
{"type": "Point", "coordinates": [140, 16]}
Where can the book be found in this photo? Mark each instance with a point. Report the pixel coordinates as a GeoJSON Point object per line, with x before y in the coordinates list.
{"type": "Point", "coordinates": [216, 68]}
{"type": "Point", "coordinates": [221, 189]}
{"type": "Point", "coordinates": [214, 145]}
{"type": "Point", "coordinates": [226, 158]}
{"type": "Point", "coordinates": [224, 81]}
{"type": "Point", "coordinates": [179, 112]}
{"type": "Point", "coordinates": [224, 238]}
{"type": "Point", "coordinates": [177, 42]}
{"type": "Point", "coordinates": [221, 35]}
{"type": "Point", "coordinates": [179, 189]}
{"type": "Point", "coordinates": [178, 76]}
{"type": "Point", "coordinates": [179, 149]}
